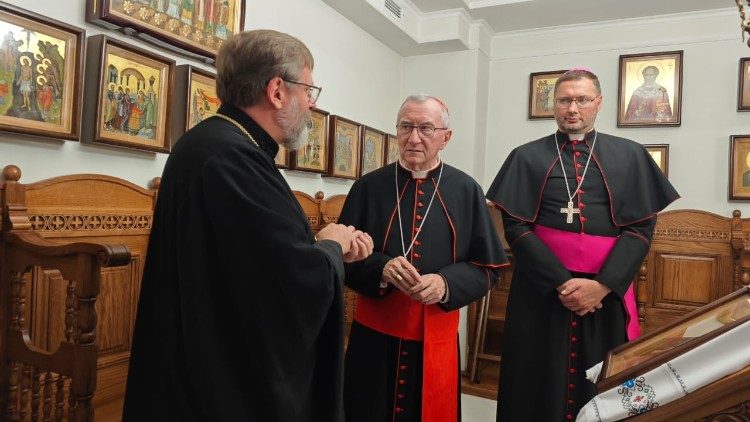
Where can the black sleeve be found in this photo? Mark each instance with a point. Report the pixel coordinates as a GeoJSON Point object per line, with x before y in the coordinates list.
{"type": "Point", "coordinates": [539, 265]}
{"type": "Point", "coordinates": [266, 255]}
{"type": "Point", "coordinates": [627, 255]}
{"type": "Point", "coordinates": [466, 283]}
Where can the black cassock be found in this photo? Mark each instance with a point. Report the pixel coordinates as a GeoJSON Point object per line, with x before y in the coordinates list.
{"type": "Point", "coordinates": [400, 351]}
{"type": "Point", "coordinates": [240, 314]}
{"type": "Point", "coordinates": [547, 348]}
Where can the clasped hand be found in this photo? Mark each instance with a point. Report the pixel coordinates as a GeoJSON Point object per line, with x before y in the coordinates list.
{"type": "Point", "coordinates": [427, 289]}
{"type": "Point", "coordinates": [356, 245]}
{"type": "Point", "coordinates": [582, 295]}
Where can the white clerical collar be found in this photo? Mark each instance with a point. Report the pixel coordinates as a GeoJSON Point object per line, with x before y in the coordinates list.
{"type": "Point", "coordinates": [578, 136]}
{"type": "Point", "coordinates": [418, 174]}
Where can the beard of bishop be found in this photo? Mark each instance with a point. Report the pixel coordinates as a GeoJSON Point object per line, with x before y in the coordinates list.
{"type": "Point", "coordinates": [293, 122]}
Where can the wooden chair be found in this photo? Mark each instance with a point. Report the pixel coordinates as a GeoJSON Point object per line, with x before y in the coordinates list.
{"type": "Point", "coordinates": [695, 258]}
{"type": "Point", "coordinates": [49, 373]}
{"type": "Point", "coordinates": [311, 207]}
{"type": "Point", "coordinates": [321, 211]}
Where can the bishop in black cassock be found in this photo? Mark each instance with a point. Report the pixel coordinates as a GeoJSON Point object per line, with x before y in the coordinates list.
{"type": "Point", "coordinates": [547, 348]}
{"type": "Point", "coordinates": [241, 311]}
{"type": "Point", "coordinates": [402, 360]}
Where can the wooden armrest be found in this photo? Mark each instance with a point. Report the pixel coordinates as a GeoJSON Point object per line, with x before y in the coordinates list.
{"type": "Point", "coordinates": [108, 255]}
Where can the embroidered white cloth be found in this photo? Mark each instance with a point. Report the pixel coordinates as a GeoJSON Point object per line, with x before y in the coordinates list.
{"type": "Point", "coordinates": [724, 355]}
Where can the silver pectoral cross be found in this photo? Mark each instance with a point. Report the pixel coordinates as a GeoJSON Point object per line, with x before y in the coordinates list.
{"type": "Point", "coordinates": [570, 211]}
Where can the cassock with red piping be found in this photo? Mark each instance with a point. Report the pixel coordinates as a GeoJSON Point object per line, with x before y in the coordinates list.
{"type": "Point", "coordinates": [547, 348]}
{"type": "Point", "coordinates": [402, 360]}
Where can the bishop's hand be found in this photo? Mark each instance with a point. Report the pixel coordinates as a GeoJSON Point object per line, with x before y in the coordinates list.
{"type": "Point", "coordinates": [361, 248]}
{"type": "Point", "coordinates": [582, 295]}
{"type": "Point", "coordinates": [430, 289]}
{"type": "Point", "coordinates": [399, 272]}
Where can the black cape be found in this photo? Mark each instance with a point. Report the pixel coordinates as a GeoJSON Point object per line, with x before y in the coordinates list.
{"type": "Point", "coordinates": [547, 348]}
{"type": "Point", "coordinates": [458, 241]}
{"type": "Point", "coordinates": [240, 314]}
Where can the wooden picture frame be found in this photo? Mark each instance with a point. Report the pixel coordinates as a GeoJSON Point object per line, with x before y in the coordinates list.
{"type": "Point", "coordinates": [660, 154]}
{"type": "Point", "coordinates": [694, 329]}
{"type": "Point", "coordinates": [743, 85]}
{"type": "Point", "coordinates": [282, 158]}
{"type": "Point", "coordinates": [197, 33]}
{"type": "Point", "coordinates": [373, 149]}
{"type": "Point", "coordinates": [313, 156]}
{"type": "Point", "coordinates": [739, 167]}
{"type": "Point", "coordinates": [542, 94]}
{"type": "Point", "coordinates": [42, 64]}
{"type": "Point", "coordinates": [391, 149]}
{"type": "Point", "coordinates": [344, 147]}
{"type": "Point", "coordinates": [650, 89]}
{"type": "Point", "coordinates": [130, 93]}
{"type": "Point", "coordinates": [195, 98]}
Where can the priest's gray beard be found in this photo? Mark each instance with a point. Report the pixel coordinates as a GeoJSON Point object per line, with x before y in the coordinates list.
{"type": "Point", "coordinates": [293, 121]}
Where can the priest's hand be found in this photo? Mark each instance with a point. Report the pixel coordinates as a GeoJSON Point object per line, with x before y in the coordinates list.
{"type": "Point", "coordinates": [345, 236]}
{"type": "Point", "coordinates": [582, 295]}
{"type": "Point", "coordinates": [361, 248]}
{"type": "Point", "coordinates": [399, 272]}
{"type": "Point", "coordinates": [430, 289]}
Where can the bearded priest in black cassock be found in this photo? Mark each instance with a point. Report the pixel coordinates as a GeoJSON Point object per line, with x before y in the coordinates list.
{"type": "Point", "coordinates": [240, 316]}
{"type": "Point", "coordinates": [579, 209]}
{"type": "Point", "coordinates": [436, 251]}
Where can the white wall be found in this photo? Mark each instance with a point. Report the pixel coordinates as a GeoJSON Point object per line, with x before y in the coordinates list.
{"type": "Point", "coordinates": [698, 149]}
{"type": "Point", "coordinates": [361, 80]}
{"type": "Point", "coordinates": [454, 78]}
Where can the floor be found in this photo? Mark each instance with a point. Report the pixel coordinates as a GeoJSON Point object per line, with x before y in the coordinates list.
{"type": "Point", "coordinates": [477, 409]}
{"type": "Point", "coordinates": [474, 406]}
{"type": "Point", "coordinates": [478, 401]}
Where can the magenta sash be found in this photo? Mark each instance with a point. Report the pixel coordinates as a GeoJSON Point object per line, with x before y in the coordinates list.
{"type": "Point", "coordinates": [586, 253]}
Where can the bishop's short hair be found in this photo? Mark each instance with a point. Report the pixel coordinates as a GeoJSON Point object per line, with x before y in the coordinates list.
{"type": "Point", "coordinates": [247, 61]}
{"type": "Point", "coordinates": [577, 74]}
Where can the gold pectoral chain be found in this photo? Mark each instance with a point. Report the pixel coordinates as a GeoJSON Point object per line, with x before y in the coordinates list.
{"type": "Point", "coordinates": [236, 123]}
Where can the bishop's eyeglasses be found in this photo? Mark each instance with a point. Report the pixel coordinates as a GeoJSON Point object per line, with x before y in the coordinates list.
{"type": "Point", "coordinates": [425, 130]}
{"type": "Point", "coordinates": [313, 92]}
{"type": "Point", "coordinates": [581, 102]}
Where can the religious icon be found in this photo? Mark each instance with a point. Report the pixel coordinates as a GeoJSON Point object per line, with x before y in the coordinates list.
{"type": "Point", "coordinates": [739, 167]}
{"type": "Point", "coordinates": [40, 74]}
{"type": "Point", "coordinates": [373, 146]}
{"type": "Point", "coordinates": [743, 88]}
{"type": "Point", "coordinates": [196, 26]}
{"type": "Point", "coordinates": [134, 95]}
{"type": "Point", "coordinates": [660, 154]}
{"type": "Point", "coordinates": [344, 148]}
{"type": "Point", "coordinates": [650, 91]}
{"type": "Point", "coordinates": [391, 151]}
{"type": "Point", "coordinates": [195, 98]}
{"type": "Point", "coordinates": [313, 156]}
{"type": "Point", "coordinates": [282, 158]}
{"type": "Point", "coordinates": [542, 94]}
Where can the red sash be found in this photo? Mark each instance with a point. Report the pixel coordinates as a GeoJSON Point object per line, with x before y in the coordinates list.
{"type": "Point", "coordinates": [400, 316]}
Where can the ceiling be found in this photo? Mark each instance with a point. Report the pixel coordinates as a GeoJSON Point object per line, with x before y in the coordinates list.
{"type": "Point", "coordinates": [513, 15]}
{"type": "Point", "coordinates": [432, 26]}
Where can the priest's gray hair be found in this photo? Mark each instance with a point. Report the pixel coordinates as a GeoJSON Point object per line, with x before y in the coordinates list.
{"type": "Point", "coordinates": [421, 99]}
{"type": "Point", "coordinates": [247, 61]}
